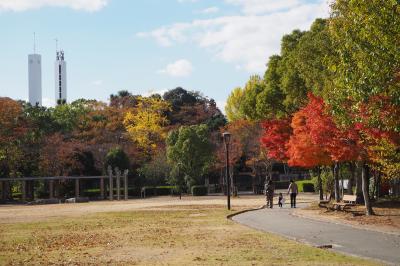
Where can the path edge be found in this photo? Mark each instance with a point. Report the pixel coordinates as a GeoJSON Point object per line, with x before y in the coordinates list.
{"type": "Point", "coordinates": [229, 216]}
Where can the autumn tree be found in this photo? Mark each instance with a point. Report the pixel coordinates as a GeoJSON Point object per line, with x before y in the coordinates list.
{"type": "Point", "coordinates": [146, 123]}
{"type": "Point", "coordinates": [157, 171]}
{"type": "Point", "coordinates": [58, 157]}
{"type": "Point", "coordinates": [12, 129]}
{"type": "Point", "coordinates": [302, 151]}
{"type": "Point", "coordinates": [233, 103]}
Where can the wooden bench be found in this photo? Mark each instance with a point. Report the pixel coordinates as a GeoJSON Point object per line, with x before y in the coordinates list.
{"type": "Point", "coordinates": [347, 201]}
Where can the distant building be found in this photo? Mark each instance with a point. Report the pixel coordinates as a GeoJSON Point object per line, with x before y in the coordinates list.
{"type": "Point", "coordinates": [60, 72]}
{"type": "Point", "coordinates": [35, 79]}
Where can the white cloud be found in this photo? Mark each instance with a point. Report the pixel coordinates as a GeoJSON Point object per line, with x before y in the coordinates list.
{"type": "Point", "coordinates": [180, 68]}
{"type": "Point", "coordinates": [248, 39]}
{"type": "Point", "coordinates": [97, 82]}
{"type": "Point", "coordinates": [210, 10]}
{"type": "Point", "coordinates": [254, 7]}
{"type": "Point", "coordinates": [22, 5]}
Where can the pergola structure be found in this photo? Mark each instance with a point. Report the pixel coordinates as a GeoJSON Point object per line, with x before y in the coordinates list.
{"type": "Point", "coordinates": [117, 177]}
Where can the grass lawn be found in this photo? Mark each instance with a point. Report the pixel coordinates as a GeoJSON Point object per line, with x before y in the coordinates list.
{"type": "Point", "coordinates": [199, 235]}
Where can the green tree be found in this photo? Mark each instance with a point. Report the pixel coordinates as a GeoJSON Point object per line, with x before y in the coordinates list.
{"type": "Point", "coordinates": [67, 116]}
{"type": "Point", "coordinates": [116, 157]}
{"type": "Point", "coordinates": [270, 101]}
{"type": "Point", "coordinates": [366, 36]}
{"type": "Point", "coordinates": [248, 106]}
{"type": "Point", "coordinates": [313, 52]}
{"type": "Point", "coordinates": [189, 151]}
{"type": "Point", "coordinates": [292, 84]}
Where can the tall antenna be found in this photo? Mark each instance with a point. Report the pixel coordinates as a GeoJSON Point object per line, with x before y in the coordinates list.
{"type": "Point", "coordinates": [34, 42]}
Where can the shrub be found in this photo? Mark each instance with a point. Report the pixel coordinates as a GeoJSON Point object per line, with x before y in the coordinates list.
{"type": "Point", "coordinates": [199, 190]}
{"type": "Point", "coordinates": [116, 157]}
{"type": "Point", "coordinates": [305, 186]}
{"type": "Point", "coordinates": [164, 190]}
{"type": "Point", "coordinates": [159, 191]}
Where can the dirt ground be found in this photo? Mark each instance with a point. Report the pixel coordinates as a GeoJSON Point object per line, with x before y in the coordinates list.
{"type": "Point", "coordinates": [386, 218]}
{"type": "Point", "coordinates": [154, 231]}
{"type": "Point", "coordinates": [32, 213]}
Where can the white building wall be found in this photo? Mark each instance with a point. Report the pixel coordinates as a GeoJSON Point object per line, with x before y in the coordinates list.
{"type": "Point", "coordinates": [60, 77]}
{"type": "Point", "coordinates": [35, 79]}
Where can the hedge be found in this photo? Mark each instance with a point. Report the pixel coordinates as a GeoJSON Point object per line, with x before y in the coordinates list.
{"type": "Point", "coordinates": [199, 190]}
{"type": "Point", "coordinates": [95, 192]}
{"type": "Point", "coordinates": [159, 191]}
{"type": "Point", "coordinates": [305, 186]}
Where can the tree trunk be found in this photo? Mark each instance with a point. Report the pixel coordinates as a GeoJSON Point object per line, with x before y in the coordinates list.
{"type": "Point", "coordinates": [321, 193]}
{"type": "Point", "coordinates": [359, 192]}
{"type": "Point", "coordinates": [365, 189]}
{"type": "Point", "coordinates": [351, 179]}
{"type": "Point", "coordinates": [336, 181]}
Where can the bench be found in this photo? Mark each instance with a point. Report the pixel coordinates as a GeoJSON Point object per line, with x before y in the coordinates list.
{"type": "Point", "coordinates": [347, 201]}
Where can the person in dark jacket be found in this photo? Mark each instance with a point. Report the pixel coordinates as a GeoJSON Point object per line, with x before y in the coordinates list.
{"type": "Point", "coordinates": [269, 193]}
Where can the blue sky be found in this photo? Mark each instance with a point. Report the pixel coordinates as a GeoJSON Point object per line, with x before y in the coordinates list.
{"type": "Point", "coordinates": [146, 46]}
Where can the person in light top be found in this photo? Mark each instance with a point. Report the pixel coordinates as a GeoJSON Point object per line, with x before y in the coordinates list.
{"type": "Point", "coordinates": [293, 191]}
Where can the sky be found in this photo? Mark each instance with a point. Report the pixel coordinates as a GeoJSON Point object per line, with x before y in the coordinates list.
{"type": "Point", "coordinates": [146, 46]}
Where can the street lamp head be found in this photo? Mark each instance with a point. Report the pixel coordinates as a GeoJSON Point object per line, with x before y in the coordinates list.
{"type": "Point", "coordinates": [227, 137]}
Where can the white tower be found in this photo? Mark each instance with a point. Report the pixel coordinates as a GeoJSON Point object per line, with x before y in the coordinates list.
{"type": "Point", "coordinates": [60, 73]}
{"type": "Point", "coordinates": [35, 77]}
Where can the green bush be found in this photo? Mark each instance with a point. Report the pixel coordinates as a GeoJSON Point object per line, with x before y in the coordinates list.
{"type": "Point", "coordinates": [116, 157]}
{"type": "Point", "coordinates": [95, 192]}
{"type": "Point", "coordinates": [164, 190]}
{"type": "Point", "coordinates": [199, 190]}
{"type": "Point", "coordinates": [305, 186]}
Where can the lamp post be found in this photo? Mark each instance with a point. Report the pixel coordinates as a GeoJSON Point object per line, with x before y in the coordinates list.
{"type": "Point", "coordinates": [227, 138]}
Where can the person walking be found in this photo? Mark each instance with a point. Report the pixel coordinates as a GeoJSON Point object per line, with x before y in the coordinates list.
{"type": "Point", "coordinates": [269, 189]}
{"type": "Point", "coordinates": [293, 191]}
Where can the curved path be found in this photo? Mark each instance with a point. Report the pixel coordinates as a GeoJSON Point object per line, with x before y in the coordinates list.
{"type": "Point", "coordinates": [343, 238]}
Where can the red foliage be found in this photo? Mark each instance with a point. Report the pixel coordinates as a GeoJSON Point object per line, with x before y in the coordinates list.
{"type": "Point", "coordinates": [302, 151]}
{"type": "Point", "coordinates": [342, 144]}
{"type": "Point", "coordinates": [276, 136]}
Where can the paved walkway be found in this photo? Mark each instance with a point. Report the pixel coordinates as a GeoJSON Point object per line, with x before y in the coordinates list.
{"type": "Point", "coordinates": [343, 238]}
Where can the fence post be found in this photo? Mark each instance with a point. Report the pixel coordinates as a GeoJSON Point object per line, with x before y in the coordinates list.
{"type": "Point", "coordinates": [126, 184]}
{"type": "Point", "coordinates": [118, 174]}
{"type": "Point", "coordinates": [110, 178]}
{"type": "Point", "coordinates": [102, 188]}
{"type": "Point", "coordinates": [77, 188]}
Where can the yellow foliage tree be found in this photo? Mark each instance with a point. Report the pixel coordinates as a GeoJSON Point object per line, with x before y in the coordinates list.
{"type": "Point", "coordinates": [232, 108]}
{"type": "Point", "coordinates": [386, 158]}
{"type": "Point", "coordinates": [146, 123]}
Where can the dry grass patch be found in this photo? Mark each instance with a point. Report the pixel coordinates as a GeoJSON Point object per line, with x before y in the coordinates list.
{"type": "Point", "coordinates": [199, 236]}
{"type": "Point", "coordinates": [386, 218]}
